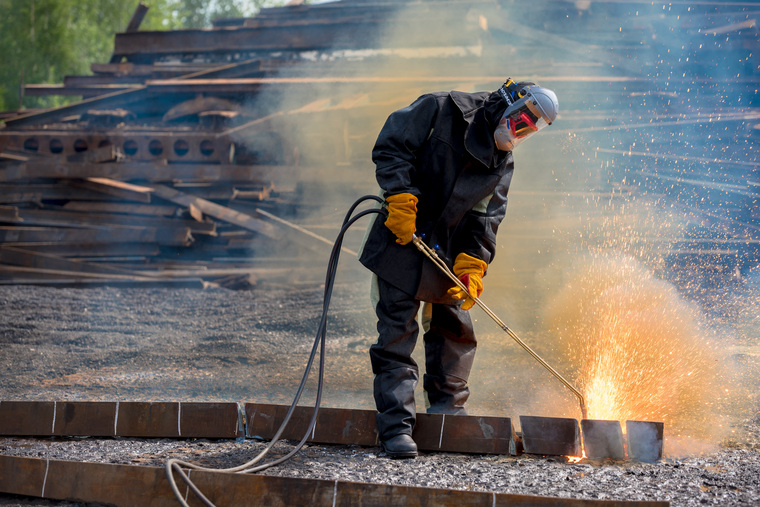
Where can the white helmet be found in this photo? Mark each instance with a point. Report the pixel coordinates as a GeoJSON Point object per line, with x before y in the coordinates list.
{"type": "Point", "coordinates": [529, 109]}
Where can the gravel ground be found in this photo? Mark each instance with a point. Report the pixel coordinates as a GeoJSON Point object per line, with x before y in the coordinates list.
{"type": "Point", "coordinates": [220, 345]}
{"type": "Point", "coordinates": [729, 476]}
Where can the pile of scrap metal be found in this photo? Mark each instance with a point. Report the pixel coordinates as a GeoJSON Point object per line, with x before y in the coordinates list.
{"type": "Point", "coordinates": [178, 151]}
{"type": "Point", "coordinates": [188, 145]}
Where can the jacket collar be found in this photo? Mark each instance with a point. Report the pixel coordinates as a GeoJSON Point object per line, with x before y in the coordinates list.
{"type": "Point", "coordinates": [478, 137]}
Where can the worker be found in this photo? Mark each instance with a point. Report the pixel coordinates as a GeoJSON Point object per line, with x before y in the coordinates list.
{"type": "Point", "coordinates": [444, 164]}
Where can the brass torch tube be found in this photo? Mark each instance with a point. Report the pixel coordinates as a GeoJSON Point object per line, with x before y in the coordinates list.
{"type": "Point", "coordinates": [433, 256]}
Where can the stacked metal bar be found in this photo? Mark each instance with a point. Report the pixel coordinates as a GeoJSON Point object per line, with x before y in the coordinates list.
{"type": "Point", "coordinates": [253, 113]}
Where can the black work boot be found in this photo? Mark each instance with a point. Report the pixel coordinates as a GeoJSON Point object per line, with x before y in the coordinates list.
{"type": "Point", "coordinates": [400, 446]}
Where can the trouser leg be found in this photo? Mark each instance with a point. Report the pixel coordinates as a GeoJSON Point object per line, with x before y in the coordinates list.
{"type": "Point", "coordinates": [396, 373]}
{"type": "Point", "coordinates": [449, 353]}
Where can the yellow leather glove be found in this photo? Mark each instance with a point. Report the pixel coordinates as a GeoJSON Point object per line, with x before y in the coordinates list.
{"type": "Point", "coordinates": [470, 271]}
{"type": "Point", "coordinates": [402, 215]}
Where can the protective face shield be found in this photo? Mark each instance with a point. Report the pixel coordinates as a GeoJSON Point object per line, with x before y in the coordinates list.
{"type": "Point", "coordinates": [530, 109]}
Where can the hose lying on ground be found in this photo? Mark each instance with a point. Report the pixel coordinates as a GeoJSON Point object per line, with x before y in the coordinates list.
{"type": "Point", "coordinates": [178, 466]}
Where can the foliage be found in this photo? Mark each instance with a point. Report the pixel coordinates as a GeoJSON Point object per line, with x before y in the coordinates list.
{"type": "Point", "coordinates": [42, 41]}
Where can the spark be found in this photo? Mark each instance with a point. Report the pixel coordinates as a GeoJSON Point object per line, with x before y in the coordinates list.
{"type": "Point", "coordinates": [637, 345]}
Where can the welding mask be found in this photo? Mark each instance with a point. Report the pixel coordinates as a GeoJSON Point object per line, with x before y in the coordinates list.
{"type": "Point", "coordinates": [530, 108]}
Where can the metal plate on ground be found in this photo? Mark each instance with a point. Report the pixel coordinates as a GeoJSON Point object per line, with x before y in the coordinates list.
{"type": "Point", "coordinates": [557, 436]}
{"type": "Point", "coordinates": [602, 439]}
{"type": "Point", "coordinates": [147, 486]}
{"type": "Point", "coordinates": [645, 440]}
{"type": "Point", "coordinates": [433, 432]}
{"type": "Point", "coordinates": [122, 419]}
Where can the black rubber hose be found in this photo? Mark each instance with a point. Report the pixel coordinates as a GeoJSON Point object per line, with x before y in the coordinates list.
{"type": "Point", "coordinates": [319, 341]}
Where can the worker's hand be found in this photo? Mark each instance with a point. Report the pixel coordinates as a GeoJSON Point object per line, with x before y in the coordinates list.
{"type": "Point", "coordinates": [402, 215]}
{"type": "Point", "coordinates": [470, 271]}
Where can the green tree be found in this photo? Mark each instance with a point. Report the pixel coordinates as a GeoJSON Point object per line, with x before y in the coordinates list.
{"type": "Point", "coordinates": [42, 41]}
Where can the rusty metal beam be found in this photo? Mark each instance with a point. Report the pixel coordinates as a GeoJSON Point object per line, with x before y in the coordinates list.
{"type": "Point", "coordinates": [118, 189]}
{"type": "Point", "coordinates": [49, 278]}
{"type": "Point", "coordinates": [217, 211]}
{"type": "Point", "coordinates": [147, 486]}
{"type": "Point", "coordinates": [433, 432]}
{"type": "Point", "coordinates": [86, 237]}
{"type": "Point", "coordinates": [233, 85]}
{"type": "Point", "coordinates": [154, 43]}
{"type": "Point", "coordinates": [311, 29]}
{"type": "Point", "coordinates": [137, 17]}
{"type": "Point", "coordinates": [59, 217]}
{"type": "Point", "coordinates": [123, 419]}
{"type": "Point", "coordinates": [14, 256]}
{"type": "Point", "coordinates": [89, 86]}
{"type": "Point", "coordinates": [133, 69]}
{"type": "Point", "coordinates": [79, 90]}
{"type": "Point", "coordinates": [295, 14]}
{"type": "Point", "coordinates": [20, 197]}
{"type": "Point", "coordinates": [130, 171]}
{"type": "Point", "coordinates": [157, 210]}
{"type": "Point", "coordinates": [135, 144]}
{"type": "Point", "coordinates": [555, 436]}
{"type": "Point", "coordinates": [252, 85]}
{"type": "Point", "coordinates": [602, 439]}
{"type": "Point", "coordinates": [79, 249]}
{"type": "Point", "coordinates": [114, 99]}
{"type": "Point", "coordinates": [645, 440]}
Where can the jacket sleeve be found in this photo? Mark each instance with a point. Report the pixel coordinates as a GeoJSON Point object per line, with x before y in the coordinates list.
{"type": "Point", "coordinates": [395, 152]}
{"type": "Point", "coordinates": [476, 234]}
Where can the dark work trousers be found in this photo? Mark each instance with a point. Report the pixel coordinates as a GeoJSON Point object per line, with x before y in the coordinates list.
{"type": "Point", "coordinates": [449, 353]}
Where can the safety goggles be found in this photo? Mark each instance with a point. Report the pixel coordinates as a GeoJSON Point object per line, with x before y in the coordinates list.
{"type": "Point", "coordinates": [522, 124]}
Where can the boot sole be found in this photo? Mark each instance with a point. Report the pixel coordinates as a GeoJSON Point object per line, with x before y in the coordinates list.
{"type": "Point", "coordinates": [399, 455]}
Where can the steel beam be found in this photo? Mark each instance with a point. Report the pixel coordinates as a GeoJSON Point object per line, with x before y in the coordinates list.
{"type": "Point", "coordinates": [147, 486]}
{"type": "Point", "coordinates": [79, 250]}
{"type": "Point", "coordinates": [79, 90]}
{"type": "Point", "coordinates": [120, 98]}
{"type": "Point", "coordinates": [156, 172]}
{"type": "Point", "coordinates": [645, 440]}
{"type": "Point", "coordinates": [115, 189]}
{"type": "Point", "coordinates": [19, 257]}
{"type": "Point", "coordinates": [602, 439]}
{"type": "Point", "coordinates": [155, 210]}
{"type": "Point", "coordinates": [356, 34]}
{"type": "Point", "coordinates": [433, 432]}
{"type": "Point", "coordinates": [556, 436]}
{"type": "Point", "coordinates": [124, 419]}
{"type": "Point", "coordinates": [57, 217]}
{"type": "Point", "coordinates": [86, 236]}
{"type": "Point", "coordinates": [217, 211]}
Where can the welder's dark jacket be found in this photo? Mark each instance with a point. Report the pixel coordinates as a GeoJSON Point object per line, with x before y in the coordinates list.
{"type": "Point", "coordinates": [440, 149]}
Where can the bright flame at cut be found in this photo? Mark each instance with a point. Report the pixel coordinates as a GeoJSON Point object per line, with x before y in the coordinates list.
{"type": "Point", "coordinates": [576, 459]}
{"type": "Point", "coordinates": [638, 348]}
